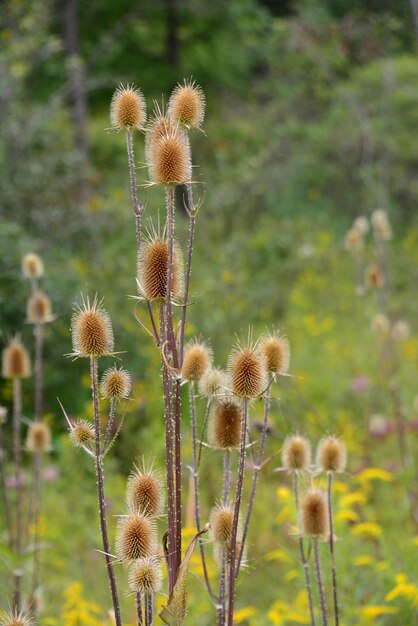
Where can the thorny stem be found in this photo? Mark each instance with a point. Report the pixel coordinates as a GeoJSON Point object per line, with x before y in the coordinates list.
{"type": "Point", "coordinates": [17, 452]}
{"type": "Point", "coordinates": [5, 497]}
{"type": "Point", "coordinates": [100, 486]}
{"type": "Point", "coordinates": [37, 467]}
{"type": "Point", "coordinates": [139, 609]}
{"type": "Point", "coordinates": [148, 609]}
{"type": "Point", "coordinates": [39, 371]}
{"type": "Point", "coordinates": [205, 421]}
{"type": "Point", "coordinates": [222, 585]}
{"type": "Point", "coordinates": [237, 507]}
{"type": "Point", "coordinates": [319, 582]}
{"type": "Point", "coordinates": [137, 207]}
{"type": "Point", "coordinates": [302, 548]}
{"type": "Point", "coordinates": [110, 423]}
{"type": "Point", "coordinates": [192, 224]}
{"type": "Point", "coordinates": [227, 471]}
{"type": "Point", "coordinates": [331, 548]}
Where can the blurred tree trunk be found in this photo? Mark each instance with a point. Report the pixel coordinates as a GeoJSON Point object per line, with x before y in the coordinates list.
{"type": "Point", "coordinates": [172, 34]}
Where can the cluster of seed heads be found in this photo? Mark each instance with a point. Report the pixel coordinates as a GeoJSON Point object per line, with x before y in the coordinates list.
{"type": "Point", "coordinates": [331, 454]}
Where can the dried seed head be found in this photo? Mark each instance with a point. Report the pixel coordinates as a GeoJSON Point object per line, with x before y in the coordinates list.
{"type": "Point", "coordinates": [277, 353]}
{"type": "Point", "coordinates": [32, 266]}
{"type": "Point", "coordinates": [187, 105]}
{"type": "Point", "coordinates": [401, 330]}
{"type": "Point", "coordinates": [212, 383]}
{"type": "Point", "coordinates": [226, 425]}
{"type": "Point", "coordinates": [145, 575]}
{"type": "Point", "coordinates": [135, 537]}
{"type": "Point", "coordinates": [39, 309]}
{"type": "Point", "coordinates": [159, 126]}
{"type": "Point", "coordinates": [153, 269]}
{"type": "Point", "coordinates": [331, 455]}
{"type": "Point", "coordinates": [380, 325]}
{"type": "Point", "coordinates": [248, 372]}
{"type": "Point", "coordinates": [14, 618]}
{"type": "Point", "coordinates": [374, 277]}
{"type": "Point", "coordinates": [128, 109]}
{"type": "Point", "coordinates": [221, 521]}
{"type": "Point", "coordinates": [116, 383]}
{"type": "Point", "coordinates": [91, 329]}
{"type": "Point", "coordinates": [361, 225]}
{"type": "Point", "coordinates": [16, 363]}
{"type": "Point", "coordinates": [197, 360]}
{"type": "Point", "coordinates": [354, 240]}
{"type": "Point", "coordinates": [82, 434]}
{"type": "Point", "coordinates": [381, 226]}
{"type": "Point", "coordinates": [38, 437]}
{"type": "Point", "coordinates": [145, 492]}
{"type": "Point", "coordinates": [296, 453]}
{"type": "Point", "coordinates": [169, 159]}
{"type": "Point", "coordinates": [314, 514]}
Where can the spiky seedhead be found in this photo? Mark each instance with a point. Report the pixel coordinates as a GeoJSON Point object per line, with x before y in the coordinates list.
{"type": "Point", "coordinates": [380, 325]}
{"type": "Point", "coordinates": [116, 383]}
{"type": "Point", "coordinates": [380, 224]}
{"type": "Point", "coordinates": [296, 453]}
{"type": "Point", "coordinates": [197, 360]}
{"type": "Point", "coordinates": [38, 437]}
{"type": "Point", "coordinates": [153, 269]}
{"type": "Point", "coordinates": [145, 492]}
{"type": "Point", "coordinates": [248, 371]}
{"type": "Point", "coordinates": [314, 514]}
{"type": "Point", "coordinates": [187, 104]}
{"type": "Point", "coordinates": [145, 575]}
{"type": "Point", "coordinates": [276, 350]}
{"type": "Point", "coordinates": [169, 159]}
{"type": "Point", "coordinates": [212, 383]}
{"type": "Point", "coordinates": [91, 329]}
{"type": "Point", "coordinates": [361, 225]}
{"type": "Point", "coordinates": [353, 240]}
{"type": "Point", "coordinates": [135, 537]}
{"type": "Point", "coordinates": [374, 277]}
{"type": "Point", "coordinates": [401, 330]}
{"type": "Point", "coordinates": [159, 126]}
{"type": "Point", "coordinates": [226, 425]}
{"type": "Point", "coordinates": [32, 266]}
{"type": "Point", "coordinates": [331, 454]}
{"type": "Point", "coordinates": [38, 309]}
{"type": "Point", "coordinates": [15, 361]}
{"type": "Point", "coordinates": [82, 434]}
{"type": "Point", "coordinates": [16, 618]}
{"type": "Point", "coordinates": [221, 522]}
{"type": "Point", "coordinates": [128, 108]}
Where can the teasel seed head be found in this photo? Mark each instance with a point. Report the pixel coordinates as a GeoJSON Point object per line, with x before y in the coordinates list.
{"type": "Point", "coordinates": [128, 109]}
{"type": "Point", "coordinates": [212, 383]}
{"type": "Point", "coordinates": [226, 424]}
{"type": "Point", "coordinates": [361, 225]}
{"type": "Point", "coordinates": [381, 225]}
{"type": "Point", "coordinates": [15, 618]}
{"type": "Point", "coordinates": [145, 492]}
{"type": "Point", "coordinates": [401, 330]}
{"type": "Point", "coordinates": [38, 438]}
{"type": "Point", "coordinates": [276, 350]}
{"type": "Point", "coordinates": [82, 434]}
{"type": "Point", "coordinates": [296, 453]}
{"type": "Point", "coordinates": [145, 575]}
{"type": "Point", "coordinates": [197, 360]}
{"type": "Point", "coordinates": [32, 266]}
{"type": "Point", "coordinates": [314, 514]}
{"type": "Point", "coordinates": [116, 383]}
{"type": "Point", "coordinates": [221, 522]}
{"type": "Point", "coordinates": [354, 241]}
{"type": "Point", "coordinates": [153, 269]}
{"type": "Point", "coordinates": [169, 159]}
{"type": "Point", "coordinates": [39, 310]}
{"type": "Point", "coordinates": [248, 371]}
{"type": "Point", "coordinates": [135, 537]}
{"type": "Point", "coordinates": [374, 277]}
{"type": "Point", "coordinates": [187, 104]}
{"type": "Point", "coordinates": [331, 455]}
{"type": "Point", "coordinates": [380, 325]}
{"type": "Point", "coordinates": [91, 330]}
{"type": "Point", "coordinates": [158, 126]}
{"type": "Point", "coordinates": [15, 361]}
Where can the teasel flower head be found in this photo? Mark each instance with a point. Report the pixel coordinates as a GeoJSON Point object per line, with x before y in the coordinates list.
{"type": "Point", "coordinates": [276, 350]}
{"type": "Point", "coordinates": [381, 225]}
{"type": "Point", "coordinates": [16, 618]}
{"type": "Point", "coordinates": [145, 575]}
{"type": "Point", "coordinates": [116, 383]}
{"type": "Point", "coordinates": [296, 453]}
{"type": "Point", "coordinates": [374, 277]}
{"type": "Point", "coordinates": [128, 109]}
{"type": "Point", "coordinates": [247, 368]}
{"type": "Point", "coordinates": [380, 325]}
{"type": "Point", "coordinates": [82, 434]}
{"type": "Point", "coordinates": [197, 360]}
{"type": "Point", "coordinates": [354, 241]}
{"type": "Point", "coordinates": [158, 126]}
{"type": "Point", "coordinates": [39, 310]}
{"type": "Point", "coordinates": [145, 492]}
{"type": "Point", "coordinates": [187, 104]}
{"type": "Point", "coordinates": [169, 159]}
{"type": "Point", "coordinates": [91, 329]}
{"type": "Point", "coordinates": [212, 383]}
{"type": "Point", "coordinates": [314, 514]}
{"type": "Point", "coordinates": [221, 522]}
{"type": "Point", "coordinates": [153, 269]}
{"type": "Point", "coordinates": [361, 225]}
{"type": "Point", "coordinates": [401, 330]}
{"type": "Point", "coordinates": [32, 266]}
{"type": "Point", "coordinates": [15, 361]}
{"type": "Point", "coordinates": [331, 454]}
{"type": "Point", "coordinates": [226, 424]}
{"type": "Point", "coordinates": [38, 438]}
{"type": "Point", "coordinates": [135, 537]}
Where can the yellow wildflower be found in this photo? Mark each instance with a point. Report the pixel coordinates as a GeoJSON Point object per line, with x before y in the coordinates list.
{"type": "Point", "coordinates": [371, 612]}
{"type": "Point", "coordinates": [243, 614]}
{"type": "Point", "coordinates": [374, 473]}
{"type": "Point", "coordinates": [367, 529]}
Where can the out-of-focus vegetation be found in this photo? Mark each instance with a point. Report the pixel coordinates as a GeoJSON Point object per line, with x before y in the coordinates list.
{"type": "Point", "coordinates": [312, 108]}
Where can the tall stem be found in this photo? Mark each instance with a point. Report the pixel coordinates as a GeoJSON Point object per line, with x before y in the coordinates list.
{"type": "Point", "coordinates": [5, 497]}
{"type": "Point", "coordinates": [302, 548]}
{"type": "Point", "coordinates": [319, 582]}
{"type": "Point", "coordinates": [137, 207]}
{"type": "Point", "coordinates": [192, 224]}
{"type": "Point", "coordinates": [222, 584]}
{"type": "Point", "coordinates": [17, 452]}
{"type": "Point", "coordinates": [100, 487]}
{"type": "Point", "coordinates": [139, 609]}
{"type": "Point", "coordinates": [205, 422]}
{"type": "Point", "coordinates": [331, 547]}
{"type": "Point", "coordinates": [110, 422]}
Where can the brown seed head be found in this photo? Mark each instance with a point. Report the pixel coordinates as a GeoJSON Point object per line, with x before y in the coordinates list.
{"type": "Point", "coordinates": [277, 353]}
{"type": "Point", "coordinates": [197, 360]}
{"type": "Point", "coordinates": [248, 372]}
{"type": "Point", "coordinates": [82, 434]}
{"type": "Point", "coordinates": [91, 329]}
{"type": "Point", "coordinates": [145, 575]}
{"type": "Point", "coordinates": [314, 514]}
{"type": "Point", "coordinates": [32, 266]}
{"type": "Point", "coordinates": [374, 277]}
{"type": "Point", "coordinates": [135, 537]}
{"type": "Point", "coordinates": [14, 618]}
{"type": "Point", "coordinates": [361, 225]}
{"type": "Point", "coordinates": [159, 126]}
{"type": "Point", "coordinates": [153, 268]}
{"type": "Point", "coordinates": [38, 309]}
{"type": "Point", "coordinates": [354, 241]}
{"type": "Point", "coordinates": [380, 224]}
{"type": "Point", "coordinates": [221, 521]}
{"type": "Point", "coordinates": [331, 455]}
{"type": "Point", "coordinates": [128, 109]}
{"type": "Point", "coordinates": [16, 363]}
{"type": "Point", "coordinates": [296, 453]}
{"type": "Point", "coordinates": [116, 383]}
{"type": "Point", "coordinates": [170, 162]}
{"type": "Point", "coordinates": [38, 438]}
{"type": "Point", "coordinates": [145, 492]}
{"type": "Point", "coordinates": [226, 425]}
{"type": "Point", "coordinates": [212, 383]}
{"type": "Point", "coordinates": [187, 105]}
